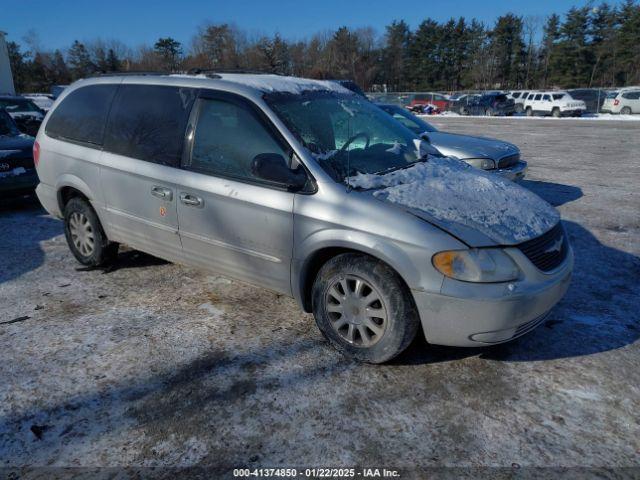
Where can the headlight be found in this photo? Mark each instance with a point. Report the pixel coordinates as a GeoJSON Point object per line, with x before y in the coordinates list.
{"type": "Point", "coordinates": [483, 265]}
{"type": "Point", "coordinates": [481, 163]}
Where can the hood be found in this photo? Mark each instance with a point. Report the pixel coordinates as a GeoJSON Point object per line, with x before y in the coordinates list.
{"type": "Point", "coordinates": [15, 144]}
{"type": "Point", "coordinates": [478, 208]}
{"type": "Point", "coordinates": [466, 146]}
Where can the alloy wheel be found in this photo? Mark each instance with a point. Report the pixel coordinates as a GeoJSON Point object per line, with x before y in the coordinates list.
{"type": "Point", "coordinates": [356, 311]}
{"type": "Point", "coordinates": [82, 233]}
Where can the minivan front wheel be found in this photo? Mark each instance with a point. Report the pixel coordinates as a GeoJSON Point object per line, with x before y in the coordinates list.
{"type": "Point", "coordinates": [85, 236]}
{"type": "Point", "coordinates": [363, 308]}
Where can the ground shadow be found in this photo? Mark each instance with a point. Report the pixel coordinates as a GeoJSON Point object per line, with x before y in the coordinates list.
{"type": "Point", "coordinates": [555, 193]}
{"type": "Point", "coordinates": [21, 251]}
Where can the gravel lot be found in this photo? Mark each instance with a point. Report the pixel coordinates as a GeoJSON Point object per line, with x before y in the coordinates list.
{"type": "Point", "coordinates": [154, 364]}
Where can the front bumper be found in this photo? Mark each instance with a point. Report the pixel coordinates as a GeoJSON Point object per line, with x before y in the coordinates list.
{"type": "Point", "coordinates": [11, 185]}
{"type": "Point", "coordinates": [515, 173]}
{"type": "Point", "coordinates": [471, 315]}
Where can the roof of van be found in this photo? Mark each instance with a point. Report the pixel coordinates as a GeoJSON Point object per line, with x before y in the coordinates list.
{"type": "Point", "coordinates": [258, 83]}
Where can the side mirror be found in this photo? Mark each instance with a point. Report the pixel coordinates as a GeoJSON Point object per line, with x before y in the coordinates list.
{"type": "Point", "coordinates": [273, 167]}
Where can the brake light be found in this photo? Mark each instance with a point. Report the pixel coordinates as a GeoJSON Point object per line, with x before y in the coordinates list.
{"type": "Point", "coordinates": [36, 153]}
{"type": "Point", "coordinates": [616, 102]}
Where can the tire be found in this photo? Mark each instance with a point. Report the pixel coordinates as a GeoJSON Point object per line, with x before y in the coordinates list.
{"type": "Point", "coordinates": [489, 112]}
{"type": "Point", "coordinates": [625, 111]}
{"type": "Point", "coordinates": [555, 112]}
{"type": "Point", "coordinates": [345, 289]}
{"type": "Point", "coordinates": [529, 112]}
{"type": "Point", "coordinates": [85, 235]}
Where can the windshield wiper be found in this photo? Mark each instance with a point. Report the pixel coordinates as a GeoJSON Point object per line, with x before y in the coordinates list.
{"type": "Point", "coordinates": [424, 158]}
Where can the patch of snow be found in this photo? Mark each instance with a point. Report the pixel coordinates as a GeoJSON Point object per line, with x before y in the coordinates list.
{"type": "Point", "coordinates": [212, 309]}
{"type": "Point", "coordinates": [277, 83]}
{"type": "Point", "coordinates": [396, 149]}
{"type": "Point", "coordinates": [586, 116]}
{"type": "Point", "coordinates": [324, 155]}
{"type": "Point", "coordinates": [452, 191]}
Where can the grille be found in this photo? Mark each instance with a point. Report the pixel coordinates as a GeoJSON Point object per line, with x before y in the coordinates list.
{"type": "Point", "coordinates": [508, 161]}
{"type": "Point", "coordinates": [543, 251]}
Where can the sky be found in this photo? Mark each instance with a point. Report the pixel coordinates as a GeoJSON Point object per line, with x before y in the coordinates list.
{"type": "Point", "coordinates": [136, 22]}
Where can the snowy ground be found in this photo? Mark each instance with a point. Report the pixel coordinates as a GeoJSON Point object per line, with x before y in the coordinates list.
{"type": "Point", "coordinates": [153, 364]}
{"type": "Point", "coordinates": [586, 116]}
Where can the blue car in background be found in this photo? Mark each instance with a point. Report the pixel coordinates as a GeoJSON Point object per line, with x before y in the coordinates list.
{"type": "Point", "coordinates": [17, 170]}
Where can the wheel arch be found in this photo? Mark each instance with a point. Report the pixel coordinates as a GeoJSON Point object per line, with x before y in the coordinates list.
{"type": "Point", "coordinates": [307, 270]}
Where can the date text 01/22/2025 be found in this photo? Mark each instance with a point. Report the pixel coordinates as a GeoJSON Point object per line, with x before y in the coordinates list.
{"type": "Point", "coordinates": [316, 473]}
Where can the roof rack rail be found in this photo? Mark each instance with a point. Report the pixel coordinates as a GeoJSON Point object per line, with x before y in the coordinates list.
{"type": "Point", "coordinates": [216, 71]}
{"type": "Point", "coordinates": [130, 73]}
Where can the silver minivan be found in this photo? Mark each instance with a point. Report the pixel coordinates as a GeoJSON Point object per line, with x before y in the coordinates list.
{"type": "Point", "coordinates": [307, 189]}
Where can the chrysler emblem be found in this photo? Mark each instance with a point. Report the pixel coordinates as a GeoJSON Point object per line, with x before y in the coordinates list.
{"type": "Point", "coordinates": [555, 246]}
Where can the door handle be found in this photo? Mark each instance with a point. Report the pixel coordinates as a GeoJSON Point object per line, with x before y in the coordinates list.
{"type": "Point", "coordinates": [162, 192]}
{"type": "Point", "coordinates": [191, 200]}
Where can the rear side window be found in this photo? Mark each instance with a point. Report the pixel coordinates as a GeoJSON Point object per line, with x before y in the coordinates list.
{"type": "Point", "coordinates": [631, 95]}
{"type": "Point", "coordinates": [538, 97]}
{"type": "Point", "coordinates": [82, 114]}
{"type": "Point", "coordinates": [558, 96]}
{"type": "Point", "coordinates": [515, 94]}
{"type": "Point", "coordinates": [148, 122]}
{"type": "Point", "coordinates": [548, 98]}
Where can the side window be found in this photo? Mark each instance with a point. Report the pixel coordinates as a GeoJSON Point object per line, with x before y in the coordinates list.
{"type": "Point", "coordinates": [227, 138]}
{"type": "Point", "coordinates": [148, 122]}
{"type": "Point", "coordinates": [538, 97]}
{"type": "Point", "coordinates": [515, 95]}
{"type": "Point", "coordinates": [631, 95]}
{"type": "Point", "coordinates": [547, 98]}
{"type": "Point", "coordinates": [81, 116]}
{"type": "Point", "coordinates": [439, 98]}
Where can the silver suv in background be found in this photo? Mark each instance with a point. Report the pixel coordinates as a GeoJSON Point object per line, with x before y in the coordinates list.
{"type": "Point", "coordinates": [307, 189]}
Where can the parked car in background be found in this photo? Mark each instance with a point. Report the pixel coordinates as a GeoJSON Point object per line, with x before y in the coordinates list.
{"type": "Point", "coordinates": [56, 90]}
{"type": "Point", "coordinates": [491, 104]}
{"type": "Point", "coordinates": [625, 101]}
{"type": "Point", "coordinates": [518, 97]}
{"type": "Point", "coordinates": [416, 102]}
{"type": "Point", "coordinates": [593, 98]}
{"type": "Point", "coordinates": [27, 115]}
{"type": "Point", "coordinates": [459, 103]}
{"type": "Point", "coordinates": [309, 190]}
{"type": "Point", "coordinates": [17, 171]}
{"type": "Point", "coordinates": [554, 103]}
{"type": "Point", "coordinates": [42, 100]}
{"type": "Point", "coordinates": [495, 156]}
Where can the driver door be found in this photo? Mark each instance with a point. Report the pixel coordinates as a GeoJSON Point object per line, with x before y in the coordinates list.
{"type": "Point", "coordinates": [231, 221]}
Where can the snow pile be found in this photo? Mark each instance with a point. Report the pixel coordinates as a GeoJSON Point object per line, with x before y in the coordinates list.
{"type": "Point", "coordinates": [278, 83]}
{"type": "Point", "coordinates": [450, 190]}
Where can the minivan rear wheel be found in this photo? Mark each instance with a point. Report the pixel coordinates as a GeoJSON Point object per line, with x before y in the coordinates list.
{"type": "Point", "coordinates": [363, 308]}
{"type": "Point", "coordinates": [85, 235]}
{"type": "Point", "coordinates": [625, 111]}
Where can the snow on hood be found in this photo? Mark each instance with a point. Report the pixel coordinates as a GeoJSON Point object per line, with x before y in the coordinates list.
{"type": "Point", "coordinates": [461, 199]}
{"type": "Point", "coordinates": [279, 83]}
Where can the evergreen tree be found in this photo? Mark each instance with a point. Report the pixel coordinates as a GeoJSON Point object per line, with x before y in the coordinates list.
{"type": "Point", "coordinates": [79, 61]}
{"type": "Point", "coordinates": [507, 51]}
{"type": "Point", "coordinates": [572, 66]}
{"type": "Point", "coordinates": [169, 51]}
{"type": "Point", "coordinates": [19, 66]}
{"type": "Point", "coordinates": [549, 49]}
{"type": "Point", "coordinates": [628, 44]}
{"type": "Point", "coordinates": [395, 55]}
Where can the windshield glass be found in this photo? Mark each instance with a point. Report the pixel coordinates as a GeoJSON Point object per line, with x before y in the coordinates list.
{"type": "Point", "coordinates": [346, 133]}
{"type": "Point", "coordinates": [7, 127]}
{"type": "Point", "coordinates": [18, 105]}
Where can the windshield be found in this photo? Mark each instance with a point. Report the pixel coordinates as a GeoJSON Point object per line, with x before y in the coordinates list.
{"type": "Point", "coordinates": [413, 123]}
{"type": "Point", "coordinates": [18, 105]}
{"type": "Point", "coordinates": [7, 127]}
{"type": "Point", "coordinates": [346, 133]}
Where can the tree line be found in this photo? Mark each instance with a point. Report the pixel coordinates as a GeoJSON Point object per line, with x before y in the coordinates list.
{"type": "Point", "coordinates": [588, 46]}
